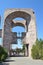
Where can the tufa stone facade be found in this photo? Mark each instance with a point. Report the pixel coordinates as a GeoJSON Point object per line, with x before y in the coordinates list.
{"type": "Point", "coordinates": [29, 23]}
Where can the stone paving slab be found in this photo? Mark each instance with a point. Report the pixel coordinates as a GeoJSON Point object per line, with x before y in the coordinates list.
{"type": "Point", "coordinates": [22, 61]}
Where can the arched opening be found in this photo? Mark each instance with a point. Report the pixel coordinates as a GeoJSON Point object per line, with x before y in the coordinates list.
{"type": "Point", "coordinates": [19, 29]}
{"type": "Point", "coordinates": [19, 44]}
{"type": "Point", "coordinates": [18, 18]}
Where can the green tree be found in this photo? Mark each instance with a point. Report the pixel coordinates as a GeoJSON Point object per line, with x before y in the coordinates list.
{"type": "Point", "coordinates": [3, 54]}
{"type": "Point", "coordinates": [18, 50]}
{"type": "Point", "coordinates": [41, 48]}
{"type": "Point", "coordinates": [23, 49]}
{"type": "Point", "coordinates": [37, 49]}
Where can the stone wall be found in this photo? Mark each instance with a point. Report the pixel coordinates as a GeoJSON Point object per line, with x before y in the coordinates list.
{"type": "Point", "coordinates": [30, 26]}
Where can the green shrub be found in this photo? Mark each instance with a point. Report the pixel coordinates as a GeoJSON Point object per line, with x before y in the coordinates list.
{"type": "Point", "coordinates": [37, 50]}
{"type": "Point", "coordinates": [3, 54]}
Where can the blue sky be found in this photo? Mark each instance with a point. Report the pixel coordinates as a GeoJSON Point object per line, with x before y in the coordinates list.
{"type": "Point", "coordinates": [36, 5]}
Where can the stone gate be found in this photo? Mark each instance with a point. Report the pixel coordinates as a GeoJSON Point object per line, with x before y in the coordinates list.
{"type": "Point", "coordinates": [29, 23]}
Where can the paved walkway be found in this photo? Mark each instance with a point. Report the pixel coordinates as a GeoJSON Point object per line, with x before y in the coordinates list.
{"type": "Point", "coordinates": [22, 61]}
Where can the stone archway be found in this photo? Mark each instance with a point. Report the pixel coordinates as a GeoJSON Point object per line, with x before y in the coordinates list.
{"type": "Point", "coordinates": [30, 26]}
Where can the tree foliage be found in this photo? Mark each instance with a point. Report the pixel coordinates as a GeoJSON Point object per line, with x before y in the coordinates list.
{"type": "Point", "coordinates": [18, 50]}
{"type": "Point", "coordinates": [37, 50]}
{"type": "Point", "coordinates": [3, 54]}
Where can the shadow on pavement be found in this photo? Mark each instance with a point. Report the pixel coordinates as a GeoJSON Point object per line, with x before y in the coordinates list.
{"type": "Point", "coordinates": [18, 56]}
{"type": "Point", "coordinates": [4, 63]}
{"type": "Point", "coordinates": [9, 60]}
